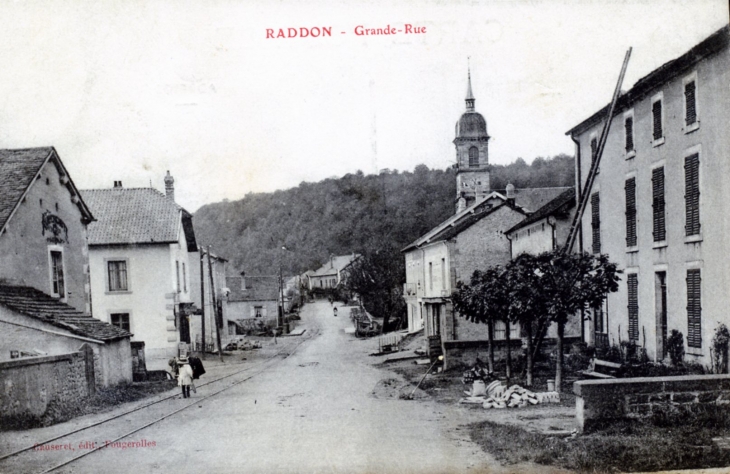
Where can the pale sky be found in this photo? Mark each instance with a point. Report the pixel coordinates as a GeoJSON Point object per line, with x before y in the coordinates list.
{"type": "Point", "coordinates": [128, 89]}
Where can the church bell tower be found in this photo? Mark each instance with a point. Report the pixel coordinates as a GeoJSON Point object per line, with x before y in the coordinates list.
{"type": "Point", "coordinates": [472, 157]}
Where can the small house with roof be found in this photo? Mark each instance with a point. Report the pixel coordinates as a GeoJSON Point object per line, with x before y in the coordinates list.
{"type": "Point", "coordinates": [253, 301]}
{"type": "Point", "coordinates": [44, 281]}
{"type": "Point", "coordinates": [140, 267]}
{"type": "Point", "coordinates": [332, 273]}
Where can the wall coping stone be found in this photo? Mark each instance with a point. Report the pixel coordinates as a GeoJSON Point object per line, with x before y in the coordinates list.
{"type": "Point", "coordinates": [584, 388]}
{"type": "Point", "coordinates": [9, 364]}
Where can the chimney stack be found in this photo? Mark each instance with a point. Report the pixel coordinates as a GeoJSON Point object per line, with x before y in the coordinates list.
{"type": "Point", "coordinates": [511, 194]}
{"type": "Point", "coordinates": [169, 186]}
{"type": "Point", "coordinates": [117, 184]}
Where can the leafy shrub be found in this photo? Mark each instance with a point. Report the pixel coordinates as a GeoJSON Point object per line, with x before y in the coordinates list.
{"type": "Point", "coordinates": [720, 349]}
{"type": "Point", "coordinates": [675, 347]}
{"type": "Point", "coordinates": [613, 354]}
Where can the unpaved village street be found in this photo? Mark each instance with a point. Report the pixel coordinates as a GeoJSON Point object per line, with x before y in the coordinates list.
{"type": "Point", "coordinates": [313, 411]}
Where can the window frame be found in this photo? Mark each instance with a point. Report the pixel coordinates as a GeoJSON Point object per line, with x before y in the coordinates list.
{"type": "Point", "coordinates": [596, 222]}
{"type": "Point", "coordinates": [109, 260]}
{"type": "Point", "coordinates": [659, 97]}
{"type": "Point", "coordinates": [632, 279]}
{"type": "Point", "coordinates": [630, 153]}
{"type": "Point", "coordinates": [694, 334]}
{"type": "Point", "coordinates": [469, 157]}
{"type": "Point", "coordinates": [631, 216]}
{"type": "Point", "coordinates": [689, 128]}
{"type": "Point", "coordinates": [695, 236]}
{"type": "Point", "coordinates": [122, 312]}
{"type": "Point", "coordinates": [659, 242]}
{"type": "Point", "coordinates": [62, 295]}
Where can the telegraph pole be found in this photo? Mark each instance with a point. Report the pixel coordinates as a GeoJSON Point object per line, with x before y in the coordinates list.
{"type": "Point", "coordinates": [215, 308]}
{"type": "Point", "coordinates": [202, 303]}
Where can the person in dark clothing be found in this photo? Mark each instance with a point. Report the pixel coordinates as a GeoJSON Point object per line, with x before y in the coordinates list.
{"type": "Point", "coordinates": [197, 366]}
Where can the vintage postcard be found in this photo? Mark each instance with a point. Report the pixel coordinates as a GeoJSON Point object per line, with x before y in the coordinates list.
{"type": "Point", "coordinates": [364, 237]}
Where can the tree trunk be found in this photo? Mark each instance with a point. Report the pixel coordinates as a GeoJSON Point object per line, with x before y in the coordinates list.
{"type": "Point", "coordinates": [539, 337]}
{"type": "Point", "coordinates": [490, 338]}
{"type": "Point", "coordinates": [559, 362]}
{"type": "Point", "coordinates": [528, 329]}
{"type": "Point", "coordinates": [509, 352]}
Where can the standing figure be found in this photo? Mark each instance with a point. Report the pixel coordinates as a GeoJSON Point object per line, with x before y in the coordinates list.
{"type": "Point", "coordinates": [185, 376]}
{"type": "Point", "coordinates": [335, 311]}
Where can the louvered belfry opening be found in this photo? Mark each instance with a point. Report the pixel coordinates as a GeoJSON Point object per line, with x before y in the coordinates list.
{"type": "Point", "coordinates": [632, 282]}
{"type": "Point", "coordinates": [690, 103]}
{"type": "Point", "coordinates": [630, 189]}
{"type": "Point", "coordinates": [596, 222]}
{"type": "Point", "coordinates": [659, 220]}
{"type": "Point", "coordinates": [692, 194]}
{"type": "Point", "coordinates": [694, 309]}
{"type": "Point", "coordinates": [656, 110]}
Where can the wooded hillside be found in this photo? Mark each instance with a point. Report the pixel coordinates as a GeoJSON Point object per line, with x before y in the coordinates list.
{"type": "Point", "coordinates": [348, 214]}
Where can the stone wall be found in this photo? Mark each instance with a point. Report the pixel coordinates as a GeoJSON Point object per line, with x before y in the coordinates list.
{"type": "Point", "coordinates": [602, 401]}
{"type": "Point", "coordinates": [465, 353]}
{"type": "Point", "coordinates": [31, 388]}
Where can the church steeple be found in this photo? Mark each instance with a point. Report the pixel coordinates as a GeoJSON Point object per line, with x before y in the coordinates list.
{"type": "Point", "coordinates": [469, 95]}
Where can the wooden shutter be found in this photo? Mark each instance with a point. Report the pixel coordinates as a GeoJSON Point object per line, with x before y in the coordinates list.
{"type": "Point", "coordinates": [692, 194]}
{"type": "Point", "coordinates": [594, 150]}
{"type": "Point", "coordinates": [629, 126]}
{"type": "Point", "coordinates": [690, 101]}
{"type": "Point", "coordinates": [596, 222]}
{"type": "Point", "coordinates": [694, 309]}
{"type": "Point", "coordinates": [659, 224]}
{"type": "Point", "coordinates": [630, 189]}
{"type": "Point", "coordinates": [656, 110]}
{"type": "Point", "coordinates": [633, 287]}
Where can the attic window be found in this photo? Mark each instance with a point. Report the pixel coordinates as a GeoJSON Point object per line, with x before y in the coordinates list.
{"type": "Point", "coordinates": [48, 181]}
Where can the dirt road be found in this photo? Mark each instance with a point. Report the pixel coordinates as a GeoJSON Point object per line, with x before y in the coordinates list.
{"type": "Point", "coordinates": [313, 411]}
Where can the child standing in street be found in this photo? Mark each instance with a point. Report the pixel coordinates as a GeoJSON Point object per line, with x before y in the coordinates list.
{"type": "Point", "coordinates": [185, 376]}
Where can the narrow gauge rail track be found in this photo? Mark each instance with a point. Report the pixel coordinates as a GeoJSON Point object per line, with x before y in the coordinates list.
{"type": "Point", "coordinates": [259, 367]}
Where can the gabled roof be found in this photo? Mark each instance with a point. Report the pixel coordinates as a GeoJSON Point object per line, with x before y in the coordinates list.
{"type": "Point", "coordinates": [38, 305]}
{"type": "Point", "coordinates": [468, 221]}
{"type": "Point", "coordinates": [564, 201]}
{"type": "Point", "coordinates": [19, 169]}
{"type": "Point", "coordinates": [334, 265]}
{"type": "Point", "coordinates": [258, 288]}
{"type": "Point", "coordinates": [136, 216]}
{"type": "Point", "coordinates": [716, 42]}
{"type": "Point", "coordinates": [526, 199]}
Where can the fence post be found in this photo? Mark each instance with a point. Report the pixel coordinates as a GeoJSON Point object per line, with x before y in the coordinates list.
{"type": "Point", "coordinates": [89, 366]}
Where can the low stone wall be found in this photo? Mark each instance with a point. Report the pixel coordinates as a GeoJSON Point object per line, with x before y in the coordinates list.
{"type": "Point", "coordinates": [602, 401]}
{"type": "Point", "coordinates": [30, 388]}
{"type": "Point", "coordinates": [466, 352]}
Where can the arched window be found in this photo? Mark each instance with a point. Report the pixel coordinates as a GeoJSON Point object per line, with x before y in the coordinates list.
{"type": "Point", "coordinates": [473, 157]}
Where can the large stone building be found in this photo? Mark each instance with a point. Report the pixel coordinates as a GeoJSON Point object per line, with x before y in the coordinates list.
{"type": "Point", "coordinates": [45, 300]}
{"type": "Point", "coordinates": [659, 206]}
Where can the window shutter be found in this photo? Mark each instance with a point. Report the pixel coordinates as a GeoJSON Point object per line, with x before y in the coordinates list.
{"type": "Point", "coordinates": [630, 189]}
{"type": "Point", "coordinates": [629, 125]}
{"type": "Point", "coordinates": [594, 150]}
{"type": "Point", "coordinates": [694, 309]}
{"type": "Point", "coordinates": [659, 224]}
{"type": "Point", "coordinates": [656, 109]}
{"type": "Point", "coordinates": [596, 222]}
{"type": "Point", "coordinates": [690, 102]}
{"type": "Point", "coordinates": [692, 194]}
{"type": "Point", "coordinates": [633, 287]}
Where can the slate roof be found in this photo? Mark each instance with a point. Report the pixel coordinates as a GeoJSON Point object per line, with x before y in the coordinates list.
{"type": "Point", "coordinates": [18, 169]}
{"type": "Point", "coordinates": [564, 201]}
{"type": "Point", "coordinates": [135, 216]}
{"type": "Point", "coordinates": [646, 85]}
{"type": "Point", "coordinates": [333, 265]}
{"type": "Point", "coordinates": [258, 288]}
{"type": "Point", "coordinates": [38, 305]}
{"type": "Point", "coordinates": [526, 199]}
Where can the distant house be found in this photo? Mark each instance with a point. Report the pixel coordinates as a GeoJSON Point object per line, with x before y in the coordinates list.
{"type": "Point", "coordinates": [140, 266]}
{"type": "Point", "coordinates": [206, 310]}
{"type": "Point", "coordinates": [44, 280]}
{"type": "Point", "coordinates": [332, 273]}
{"type": "Point", "coordinates": [253, 301]}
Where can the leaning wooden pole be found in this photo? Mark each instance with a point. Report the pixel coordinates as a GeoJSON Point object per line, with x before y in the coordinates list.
{"type": "Point", "coordinates": [585, 197]}
{"type": "Point", "coordinates": [202, 304]}
{"type": "Point", "coordinates": [214, 300]}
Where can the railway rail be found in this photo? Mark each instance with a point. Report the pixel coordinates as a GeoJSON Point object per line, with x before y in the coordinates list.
{"type": "Point", "coordinates": [16, 457]}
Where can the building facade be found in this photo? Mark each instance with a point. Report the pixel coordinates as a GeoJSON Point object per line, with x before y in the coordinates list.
{"type": "Point", "coordinates": [659, 204]}
{"type": "Point", "coordinates": [140, 267]}
{"type": "Point", "coordinates": [205, 316]}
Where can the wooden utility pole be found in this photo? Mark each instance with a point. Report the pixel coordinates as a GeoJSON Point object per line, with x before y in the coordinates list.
{"type": "Point", "coordinates": [585, 196]}
{"type": "Point", "coordinates": [202, 303]}
{"type": "Point", "coordinates": [215, 307]}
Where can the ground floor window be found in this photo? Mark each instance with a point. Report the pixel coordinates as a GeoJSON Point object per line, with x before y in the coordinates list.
{"type": "Point", "coordinates": [632, 281]}
{"type": "Point", "coordinates": [258, 311]}
{"type": "Point", "coordinates": [694, 309]}
{"type": "Point", "coordinates": [121, 320]}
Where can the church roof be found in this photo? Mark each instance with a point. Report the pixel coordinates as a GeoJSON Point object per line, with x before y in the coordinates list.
{"type": "Point", "coordinates": [471, 125]}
